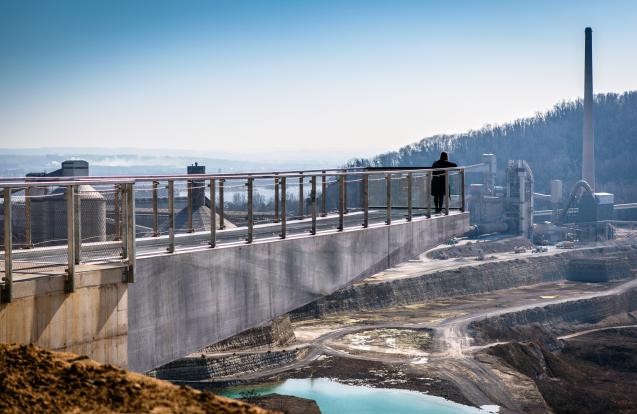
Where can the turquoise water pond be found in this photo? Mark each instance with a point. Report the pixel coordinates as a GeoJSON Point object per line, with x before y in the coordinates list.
{"type": "Point", "coordinates": [336, 398]}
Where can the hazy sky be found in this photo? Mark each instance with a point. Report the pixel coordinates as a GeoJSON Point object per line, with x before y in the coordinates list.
{"type": "Point", "coordinates": [350, 77]}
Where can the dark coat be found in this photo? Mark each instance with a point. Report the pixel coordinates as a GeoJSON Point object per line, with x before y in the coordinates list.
{"type": "Point", "coordinates": [438, 187]}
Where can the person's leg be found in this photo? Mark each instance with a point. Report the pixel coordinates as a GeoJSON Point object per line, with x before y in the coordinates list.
{"type": "Point", "coordinates": [438, 203]}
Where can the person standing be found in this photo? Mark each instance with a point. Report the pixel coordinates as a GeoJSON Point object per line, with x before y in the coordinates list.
{"type": "Point", "coordinates": [438, 184]}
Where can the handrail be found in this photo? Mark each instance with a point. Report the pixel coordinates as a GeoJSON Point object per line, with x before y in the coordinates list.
{"type": "Point", "coordinates": [96, 180]}
{"type": "Point", "coordinates": [121, 214]}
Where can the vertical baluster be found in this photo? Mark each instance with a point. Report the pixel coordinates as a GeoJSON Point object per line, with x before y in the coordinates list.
{"type": "Point", "coordinates": [118, 214]}
{"type": "Point", "coordinates": [447, 192]}
{"type": "Point", "coordinates": [428, 178]}
{"type": "Point", "coordinates": [171, 216]}
{"type": "Point", "coordinates": [189, 228]}
{"type": "Point", "coordinates": [69, 283]}
{"type": "Point", "coordinates": [130, 232]}
{"type": "Point", "coordinates": [313, 200]}
{"type": "Point", "coordinates": [250, 212]}
{"type": "Point", "coordinates": [341, 202]}
{"type": "Point", "coordinates": [28, 240]}
{"type": "Point", "coordinates": [222, 224]}
{"type": "Point", "coordinates": [7, 288]}
{"type": "Point", "coordinates": [213, 214]}
{"type": "Point", "coordinates": [155, 210]}
{"type": "Point", "coordinates": [409, 196]}
{"type": "Point", "coordinates": [345, 210]}
{"type": "Point", "coordinates": [388, 199]}
{"type": "Point", "coordinates": [276, 199]}
{"type": "Point", "coordinates": [77, 225]}
{"type": "Point", "coordinates": [323, 194]}
{"type": "Point", "coordinates": [462, 193]}
{"type": "Point", "coordinates": [301, 198]}
{"type": "Point", "coordinates": [365, 195]}
{"type": "Point", "coordinates": [284, 212]}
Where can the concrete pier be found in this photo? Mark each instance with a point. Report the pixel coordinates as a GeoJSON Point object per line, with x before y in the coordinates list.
{"type": "Point", "coordinates": [92, 320]}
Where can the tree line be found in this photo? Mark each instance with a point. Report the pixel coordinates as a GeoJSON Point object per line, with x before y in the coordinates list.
{"type": "Point", "coordinates": [551, 142]}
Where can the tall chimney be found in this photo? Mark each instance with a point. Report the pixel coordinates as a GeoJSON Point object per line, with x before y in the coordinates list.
{"type": "Point", "coordinates": [588, 145]}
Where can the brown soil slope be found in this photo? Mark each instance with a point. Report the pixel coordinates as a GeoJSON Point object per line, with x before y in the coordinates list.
{"type": "Point", "coordinates": [35, 380]}
{"type": "Point", "coordinates": [593, 373]}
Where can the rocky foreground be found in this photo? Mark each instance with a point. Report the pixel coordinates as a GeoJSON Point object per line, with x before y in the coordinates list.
{"type": "Point", "coordinates": [33, 380]}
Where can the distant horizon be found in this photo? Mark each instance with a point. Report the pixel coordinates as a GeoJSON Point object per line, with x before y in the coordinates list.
{"type": "Point", "coordinates": [285, 155]}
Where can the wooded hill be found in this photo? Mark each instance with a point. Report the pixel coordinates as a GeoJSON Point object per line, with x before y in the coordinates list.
{"type": "Point", "coordinates": [550, 142]}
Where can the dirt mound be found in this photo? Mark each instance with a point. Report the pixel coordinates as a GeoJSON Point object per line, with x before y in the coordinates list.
{"type": "Point", "coordinates": [481, 248]}
{"type": "Point", "coordinates": [35, 380]}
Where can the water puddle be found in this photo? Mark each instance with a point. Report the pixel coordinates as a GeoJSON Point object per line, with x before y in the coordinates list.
{"type": "Point", "coordinates": [336, 398]}
{"type": "Point", "coordinates": [408, 342]}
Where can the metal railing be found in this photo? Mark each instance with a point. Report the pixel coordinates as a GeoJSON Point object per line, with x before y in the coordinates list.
{"type": "Point", "coordinates": [57, 224]}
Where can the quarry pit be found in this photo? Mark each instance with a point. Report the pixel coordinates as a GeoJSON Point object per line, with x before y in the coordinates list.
{"type": "Point", "coordinates": [514, 330]}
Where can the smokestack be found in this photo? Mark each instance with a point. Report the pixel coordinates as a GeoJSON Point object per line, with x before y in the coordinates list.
{"type": "Point", "coordinates": [588, 145]}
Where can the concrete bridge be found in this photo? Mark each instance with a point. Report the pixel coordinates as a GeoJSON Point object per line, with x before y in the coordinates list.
{"type": "Point", "coordinates": [81, 273]}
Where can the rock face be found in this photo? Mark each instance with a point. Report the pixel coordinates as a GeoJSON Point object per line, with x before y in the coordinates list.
{"type": "Point", "coordinates": [205, 368]}
{"type": "Point", "coordinates": [599, 269]}
{"type": "Point", "coordinates": [285, 404]}
{"type": "Point", "coordinates": [201, 368]}
{"type": "Point", "coordinates": [278, 333]}
{"type": "Point", "coordinates": [593, 373]}
{"type": "Point", "coordinates": [477, 248]}
{"type": "Point", "coordinates": [557, 319]}
{"type": "Point", "coordinates": [466, 280]}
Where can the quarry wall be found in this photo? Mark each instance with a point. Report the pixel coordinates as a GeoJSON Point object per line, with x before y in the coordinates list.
{"type": "Point", "coordinates": [472, 279]}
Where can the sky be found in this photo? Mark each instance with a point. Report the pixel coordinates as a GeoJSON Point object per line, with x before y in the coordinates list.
{"type": "Point", "coordinates": [303, 78]}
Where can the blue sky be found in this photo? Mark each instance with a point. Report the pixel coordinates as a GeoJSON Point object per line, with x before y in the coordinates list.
{"type": "Point", "coordinates": [255, 78]}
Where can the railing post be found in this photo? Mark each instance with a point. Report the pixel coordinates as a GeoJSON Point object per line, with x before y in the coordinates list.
{"type": "Point", "coordinates": [462, 193]}
{"type": "Point", "coordinates": [222, 224]}
{"type": "Point", "coordinates": [77, 225]}
{"type": "Point", "coordinates": [118, 214]}
{"type": "Point", "coordinates": [122, 219]}
{"type": "Point", "coordinates": [130, 232]}
{"type": "Point", "coordinates": [447, 192]}
{"type": "Point", "coordinates": [388, 200]}
{"type": "Point", "coordinates": [171, 216]}
{"type": "Point", "coordinates": [69, 283]}
{"type": "Point", "coordinates": [189, 217]}
{"type": "Point", "coordinates": [276, 199]}
{"type": "Point", "coordinates": [365, 195]}
{"type": "Point", "coordinates": [341, 202]}
{"type": "Point", "coordinates": [155, 210]}
{"type": "Point", "coordinates": [313, 200]}
{"type": "Point", "coordinates": [323, 194]}
{"type": "Point", "coordinates": [301, 198]}
{"type": "Point", "coordinates": [250, 211]}
{"type": "Point", "coordinates": [409, 196]}
{"type": "Point", "coordinates": [28, 240]}
{"type": "Point", "coordinates": [345, 210]}
{"type": "Point", "coordinates": [284, 212]}
{"type": "Point", "coordinates": [7, 294]}
{"type": "Point", "coordinates": [428, 178]}
{"type": "Point", "coordinates": [213, 214]}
